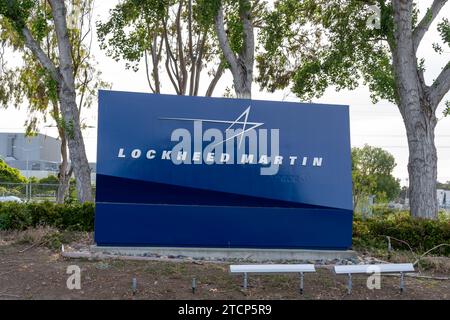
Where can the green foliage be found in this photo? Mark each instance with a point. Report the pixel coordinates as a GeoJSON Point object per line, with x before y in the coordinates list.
{"type": "Point", "coordinates": [233, 10]}
{"type": "Point", "coordinates": [19, 216]}
{"type": "Point", "coordinates": [311, 45]}
{"type": "Point", "coordinates": [444, 30]}
{"type": "Point", "coordinates": [51, 179]}
{"type": "Point", "coordinates": [10, 175]}
{"type": "Point", "coordinates": [206, 11]}
{"type": "Point", "coordinates": [420, 234]}
{"type": "Point", "coordinates": [129, 31]}
{"type": "Point", "coordinates": [13, 216]}
{"type": "Point", "coordinates": [45, 186]}
{"type": "Point", "coordinates": [315, 44]}
{"type": "Point", "coordinates": [31, 83]}
{"type": "Point", "coordinates": [147, 30]}
{"type": "Point", "coordinates": [443, 186]}
{"type": "Point", "coordinates": [17, 11]}
{"type": "Point", "coordinates": [179, 34]}
{"type": "Point", "coordinates": [372, 174]}
{"type": "Point", "coordinates": [447, 109]}
{"type": "Point", "coordinates": [134, 25]}
{"type": "Point", "coordinates": [282, 37]}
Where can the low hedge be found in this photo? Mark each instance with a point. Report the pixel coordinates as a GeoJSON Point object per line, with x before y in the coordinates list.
{"type": "Point", "coordinates": [420, 234]}
{"type": "Point", "coordinates": [20, 216]}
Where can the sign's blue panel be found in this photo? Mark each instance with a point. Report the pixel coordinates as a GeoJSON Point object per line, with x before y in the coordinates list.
{"type": "Point", "coordinates": [215, 172]}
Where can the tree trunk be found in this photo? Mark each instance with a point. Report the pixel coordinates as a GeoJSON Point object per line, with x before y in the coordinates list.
{"type": "Point", "coordinates": [241, 65]}
{"type": "Point", "coordinates": [422, 164]}
{"type": "Point", "coordinates": [75, 142]}
{"type": "Point", "coordinates": [64, 173]}
{"type": "Point", "coordinates": [418, 112]}
{"type": "Point", "coordinates": [63, 75]}
{"type": "Point", "coordinates": [63, 187]}
{"type": "Point", "coordinates": [243, 81]}
{"type": "Point", "coordinates": [69, 110]}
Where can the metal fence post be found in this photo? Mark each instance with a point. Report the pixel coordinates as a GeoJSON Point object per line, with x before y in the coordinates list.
{"type": "Point", "coordinates": [402, 282]}
{"type": "Point", "coordinates": [349, 283]}
{"type": "Point", "coordinates": [245, 280]}
{"type": "Point", "coordinates": [301, 282]}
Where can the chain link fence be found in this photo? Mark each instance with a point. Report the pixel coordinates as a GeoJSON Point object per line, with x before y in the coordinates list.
{"type": "Point", "coordinates": [30, 191]}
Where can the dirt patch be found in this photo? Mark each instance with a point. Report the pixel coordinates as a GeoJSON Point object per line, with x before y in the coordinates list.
{"type": "Point", "coordinates": [40, 273]}
{"type": "Point", "coordinates": [429, 264]}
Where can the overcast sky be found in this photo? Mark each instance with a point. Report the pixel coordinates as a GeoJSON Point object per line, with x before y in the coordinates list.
{"type": "Point", "coordinates": [378, 125]}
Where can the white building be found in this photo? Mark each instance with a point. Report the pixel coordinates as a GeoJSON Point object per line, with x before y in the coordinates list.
{"type": "Point", "coordinates": [34, 156]}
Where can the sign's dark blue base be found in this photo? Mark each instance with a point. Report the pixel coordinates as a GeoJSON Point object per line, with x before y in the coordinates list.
{"type": "Point", "coordinates": [222, 227]}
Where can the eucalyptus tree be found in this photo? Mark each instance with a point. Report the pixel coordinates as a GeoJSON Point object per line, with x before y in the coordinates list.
{"type": "Point", "coordinates": [170, 37]}
{"type": "Point", "coordinates": [240, 60]}
{"type": "Point", "coordinates": [235, 23]}
{"type": "Point", "coordinates": [312, 45]}
{"type": "Point", "coordinates": [53, 62]}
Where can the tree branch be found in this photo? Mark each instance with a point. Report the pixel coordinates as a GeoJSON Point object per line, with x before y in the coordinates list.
{"type": "Point", "coordinates": [64, 46]}
{"type": "Point", "coordinates": [171, 61]}
{"type": "Point", "coordinates": [169, 72]}
{"type": "Point", "coordinates": [223, 40]}
{"type": "Point", "coordinates": [426, 21]}
{"type": "Point", "coordinates": [83, 87]}
{"type": "Point", "coordinates": [147, 71]}
{"type": "Point", "coordinates": [215, 80]}
{"type": "Point", "coordinates": [183, 69]}
{"type": "Point", "coordinates": [35, 48]}
{"type": "Point", "coordinates": [156, 57]}
{"type": "Point", "coordinates": [440, 86]}
{"type": "Point", "coordinates": [199, 63]}
{"type": "Point", "coordinates": [42, 57]}
{"type": "Point", "coordinates": [249, 40]}
{"type": "Point", "coordinates": [191, 50]}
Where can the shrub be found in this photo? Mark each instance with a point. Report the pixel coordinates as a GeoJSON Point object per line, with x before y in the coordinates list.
{"type": "Point", "coordinates": [420, 234]}
{"type": "Point", "coordinates": [14, 216]}
{"type": "Point", "coordinates": [19, 216]}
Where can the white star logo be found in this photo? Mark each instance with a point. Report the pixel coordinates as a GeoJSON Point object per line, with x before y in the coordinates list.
{"type": "Point", "coordinates": [245, 123]}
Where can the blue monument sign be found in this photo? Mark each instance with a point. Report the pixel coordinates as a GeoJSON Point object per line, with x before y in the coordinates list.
{"type": "Point", "coordinates": [215, 172]}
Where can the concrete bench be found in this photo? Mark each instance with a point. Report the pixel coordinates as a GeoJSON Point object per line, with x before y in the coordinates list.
{"type": "Point", "coordinates": [273, 269]}
{"type": "Point", "coordinates": [401, 268]}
